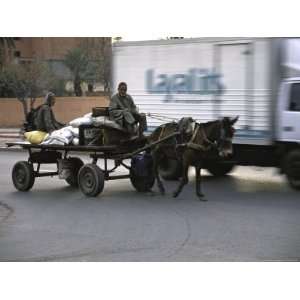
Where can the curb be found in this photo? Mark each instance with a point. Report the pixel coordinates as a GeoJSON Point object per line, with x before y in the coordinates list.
{"type": "Point", "coordinates": [9, 136]}
{"type": "Point", "coordinates": [4, 147]}
{"type": "Point", "coordinates": [11, 149]}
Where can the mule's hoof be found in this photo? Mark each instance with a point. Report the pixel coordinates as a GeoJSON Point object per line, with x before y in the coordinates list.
{"type": "Point", "coordinates": [202, 199]}
{"type": "Point", "coordinates": [162, 192]}
{"type": "Point", "coordinates": [161, 189]}
{"type": "Point", "coordinates": [175, 194]}
{"type": "Point", "coordinates": [150, 193]}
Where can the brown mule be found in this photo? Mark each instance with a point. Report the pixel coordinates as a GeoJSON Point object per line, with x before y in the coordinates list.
{"type": "Point", "coordinates": [215, 136]}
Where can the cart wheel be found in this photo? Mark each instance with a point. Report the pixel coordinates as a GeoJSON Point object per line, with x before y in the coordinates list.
{"type": "Point", "coordinates": [23, 176]}
{"type": "Point", "coordinates": [142, 183]}
{"type": "Point", "coordinates": [77, 163]}
{"type": "Point", "coordinates": [91, 180]}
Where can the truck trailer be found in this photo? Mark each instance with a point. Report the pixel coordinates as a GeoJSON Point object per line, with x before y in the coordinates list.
{"type": "Point", "coordinates": [257, 79]}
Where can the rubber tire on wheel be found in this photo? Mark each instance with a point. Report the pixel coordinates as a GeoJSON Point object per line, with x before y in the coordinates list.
{"type": "Point", "coordinates": [23, 176]}
{"type": "Point", "coordinates": [72, 180]}
{"type": "Point", "coordinates": [142, 183]}
{"type": "Point", "coordinates": [292, 168]}
{"type": "Point", "coordinates": [170, 169]}
{"type": "Point", "coordinates": [91, 180]}
{"type": "Point", "coordinates": [220, 169]}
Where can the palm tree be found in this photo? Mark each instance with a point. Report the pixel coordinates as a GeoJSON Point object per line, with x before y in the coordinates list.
{"type": "Point", "coordinates": [77, 62]}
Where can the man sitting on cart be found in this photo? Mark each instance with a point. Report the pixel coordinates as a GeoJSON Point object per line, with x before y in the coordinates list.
{"type": "Point", "coordinates": [124, 112]}
{"type": "Point", "coordinates": [45, 120]}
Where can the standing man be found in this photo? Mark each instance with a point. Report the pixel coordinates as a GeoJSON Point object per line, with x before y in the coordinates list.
{"type": "Point", "coordinates": [123, 111]}
{"type": "Point", "coordinates": [45, 120]}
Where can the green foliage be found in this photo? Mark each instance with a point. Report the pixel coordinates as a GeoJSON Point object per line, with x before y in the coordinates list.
{"type": "Point", "coordinates": [5, 90]}
{"type": "Point", "coordinates": [25, 82]}
{"type": "Point", "coordinates": [58, 87]}
{"type": "Point", "coordinates": [13, 81]}
{"type": "Point", "coordinates": [80, 66]}
{"type": "Point", "coordinates": [100, 55]}
{"type": "Point", "coordinates": [5, 43]}
{"type": "Point", "coordinates": [77, 61]}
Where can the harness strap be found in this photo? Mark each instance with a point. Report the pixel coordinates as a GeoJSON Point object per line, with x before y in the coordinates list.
{"type": "Point", "coordinates": [199, 147]}
{"type": "Point", "coordinates": [162, 131]}
{"type": "Point", "coordinates": [195, 132]}
{"type": "Point", "coordinates": [205, 136]}
{"type": "Point", "coordinates": [202, 131]}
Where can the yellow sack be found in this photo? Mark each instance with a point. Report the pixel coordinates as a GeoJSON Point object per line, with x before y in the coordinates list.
{"type": "Point", "coordinates": [35, 137]}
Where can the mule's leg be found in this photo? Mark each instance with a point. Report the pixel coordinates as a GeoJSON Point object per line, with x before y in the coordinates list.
{"type": "Point", "coordinates": [198, 183]}
{"type": "Point", "coordinates": [184, 180]}
{"type": "Point", "coordinates": [156, 159]}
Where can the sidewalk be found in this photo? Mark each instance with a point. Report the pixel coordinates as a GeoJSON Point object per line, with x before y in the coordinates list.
{"type": "Point", "coordinates": [9, 135]}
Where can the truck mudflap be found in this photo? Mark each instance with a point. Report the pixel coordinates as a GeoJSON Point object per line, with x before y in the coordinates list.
{"type": "Point", "coordinates": [291, 167]}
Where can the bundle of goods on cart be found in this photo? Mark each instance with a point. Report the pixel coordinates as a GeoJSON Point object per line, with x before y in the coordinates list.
{"type": "Point", "coordinates": [85, 130]}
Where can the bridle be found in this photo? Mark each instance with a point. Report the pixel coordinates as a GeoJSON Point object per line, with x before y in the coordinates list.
{"type": "Point", "coordinates": [216, 143]}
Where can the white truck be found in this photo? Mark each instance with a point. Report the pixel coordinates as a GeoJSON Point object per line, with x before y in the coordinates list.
{"type": "Point", "coordinates": [207, 78]}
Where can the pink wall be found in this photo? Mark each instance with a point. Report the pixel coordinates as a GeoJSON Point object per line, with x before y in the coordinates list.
{"type": "Point", "coordinates": [65, 109]}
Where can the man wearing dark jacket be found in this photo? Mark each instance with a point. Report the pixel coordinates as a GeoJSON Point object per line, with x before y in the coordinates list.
{"type": "Point", "coordinates": [45, 120]}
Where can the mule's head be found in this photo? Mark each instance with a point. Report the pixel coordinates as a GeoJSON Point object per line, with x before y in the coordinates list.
{"type": "Point", "coordinates": [186, 126]}
{"type": "Point", "coordinates": [226, 135]}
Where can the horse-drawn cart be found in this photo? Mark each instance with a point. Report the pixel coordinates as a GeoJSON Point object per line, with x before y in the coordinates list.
{"type": "Point", "coordinates": [89, 177]}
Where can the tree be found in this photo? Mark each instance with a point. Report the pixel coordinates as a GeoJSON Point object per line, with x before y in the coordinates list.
{"type": "Point", "coordinates": [26, 82]}
{"type": "Point", "coordinates": [77, 62]}
{"type": "Point", "coordinates": [5, 43]}
{"type": "Point", "coordinates": [106, 63]}
{"type": "Point", "coordinates": [99, 53]}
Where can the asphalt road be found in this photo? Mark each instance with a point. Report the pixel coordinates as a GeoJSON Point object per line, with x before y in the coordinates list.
{"type": "Point", "coordinates": [251, 215]}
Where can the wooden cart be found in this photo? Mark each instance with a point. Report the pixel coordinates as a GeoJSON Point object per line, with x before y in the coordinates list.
{"type": "Point", "coordinates": [89, 177]}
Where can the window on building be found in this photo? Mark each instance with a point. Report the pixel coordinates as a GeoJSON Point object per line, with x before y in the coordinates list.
{"type": "Point", "coordinates": [295, 97]}
{"type": "Point", "coordinates": [17, 53]}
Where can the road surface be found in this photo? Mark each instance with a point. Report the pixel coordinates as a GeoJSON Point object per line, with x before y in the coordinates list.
{"type": "Point", "coordinates": [251, 215]}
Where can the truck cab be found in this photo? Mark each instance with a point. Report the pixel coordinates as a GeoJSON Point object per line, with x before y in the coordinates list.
{"type": "Point", "coordinates": [288, 130]}
{"type": "Point", "coordinates": [288, 112]}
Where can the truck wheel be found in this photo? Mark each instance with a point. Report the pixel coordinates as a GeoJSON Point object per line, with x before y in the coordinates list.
{"type": "Point", "coordinates": [292, 168]}
{"type": "Point", "coordinates": [23, 176]}
{"type": "Point", "coordinates": [142, 183]}
{"type": "Point", "coordinates": [77, 163]}
{"type": "Point", "coordinates": [91, 180]}
{"type": "Point", "coordinates": [220, 169]}
{"type": "Point", "coordinates": [170, 169]}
